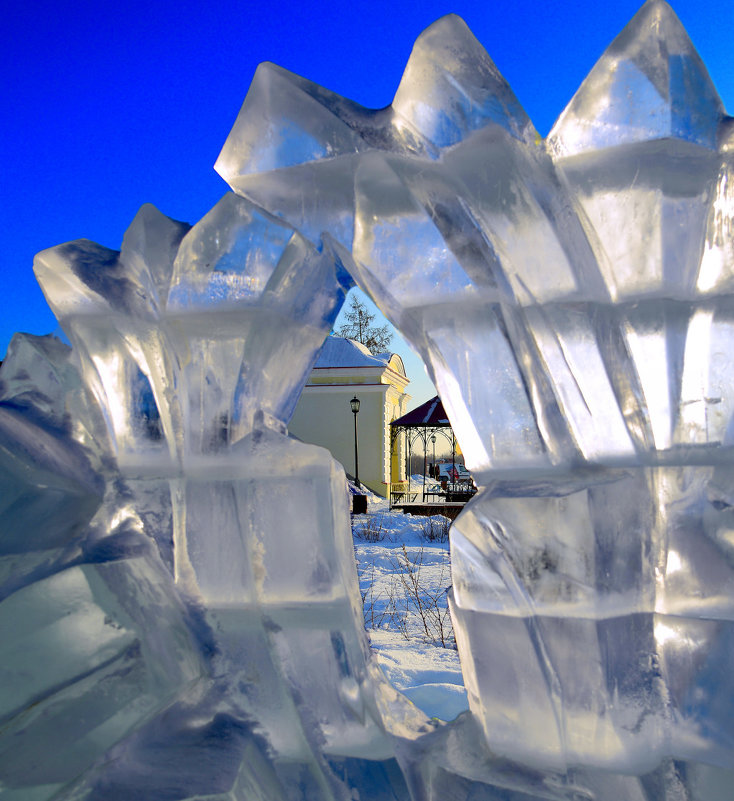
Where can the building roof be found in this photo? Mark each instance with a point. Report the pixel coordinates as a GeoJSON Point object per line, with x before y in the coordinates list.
{"type": "Point", "coordinates": [430, 414]}
{"type": "Point", "coordinates": [340, 352]}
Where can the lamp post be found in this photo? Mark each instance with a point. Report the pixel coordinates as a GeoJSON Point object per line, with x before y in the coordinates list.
{"type": "Point", "coordinates": [354, 404]}
{"type": "Point", "coordinates": [433, 442]}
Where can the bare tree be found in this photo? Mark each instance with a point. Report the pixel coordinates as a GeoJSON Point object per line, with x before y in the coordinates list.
{"type": "Point", "coordinates": [359, 326]}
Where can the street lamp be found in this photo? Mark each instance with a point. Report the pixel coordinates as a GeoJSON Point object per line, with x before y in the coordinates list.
{"type": "Point", "coordinates": [354, 404]}
{"type": "Point", "coordinates": [433, 442]}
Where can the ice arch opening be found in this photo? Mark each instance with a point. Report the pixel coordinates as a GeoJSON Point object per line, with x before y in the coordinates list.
{"type": "Point", "coordinates": [194, 653]}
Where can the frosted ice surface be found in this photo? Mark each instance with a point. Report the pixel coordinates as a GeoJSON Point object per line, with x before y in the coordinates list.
{"type": "Point", "coordinates": [451, 87]}
{"type": "Point", "coordinates": [94, 637]}
{"type": "Point", "coordinates": [233, 537]}
{"type": "Point", "coordinates": [50, 486]}
{"type": "Point", "coordinates": [614, 628]}
{"type": "Point", "coordinates": [246, 319]}
{"type": "Point", "coordinates": [637, 144]}
{"type": "Point", "coordinates": [110, 304]}
{"type": "Point", "coordinates": [649, 84]}
{"type": "Point", "coordinates": [449, 90]}
{"type": "Point", "coordinates": [717, 263]}
{"type": "Point", "coordinates": [302, 122]}
{"type": "Point", "coordinates": [146, 321]}
{"type": "Point", "coordinates": [179, 606]}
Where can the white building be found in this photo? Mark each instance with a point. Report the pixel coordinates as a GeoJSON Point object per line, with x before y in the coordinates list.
{"type": "Point", "coordinates": [323, 416]}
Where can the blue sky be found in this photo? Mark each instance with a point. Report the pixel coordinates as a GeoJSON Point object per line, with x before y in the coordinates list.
{"type": "Point", "coordinates": [110, 105]}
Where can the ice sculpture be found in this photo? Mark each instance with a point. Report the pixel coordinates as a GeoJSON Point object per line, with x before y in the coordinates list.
{"type": "Point", "coordinates": [195, 345]}
{"type": "Point", "coordinates": [180, 612]}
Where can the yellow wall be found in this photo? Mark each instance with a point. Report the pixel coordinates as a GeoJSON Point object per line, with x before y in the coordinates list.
{"type": "Point", "coordinates": [323, 417]}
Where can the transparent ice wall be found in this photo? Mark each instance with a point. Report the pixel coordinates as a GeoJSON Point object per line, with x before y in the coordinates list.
{"type": "Point", "coordinates": [178, 597]}
{"type": "Point", "coordinates": [195, 345]}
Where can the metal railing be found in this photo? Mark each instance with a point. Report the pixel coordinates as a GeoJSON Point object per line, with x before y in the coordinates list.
{"type": "Point", "coordinates": [432, 491]}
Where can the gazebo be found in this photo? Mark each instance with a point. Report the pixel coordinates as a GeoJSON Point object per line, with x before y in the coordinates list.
{"type": "Point", "coordinates": [420, 427]}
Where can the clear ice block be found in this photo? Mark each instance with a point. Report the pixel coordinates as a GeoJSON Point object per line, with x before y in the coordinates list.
{"type": "Point", "coordinates": [178, 596]}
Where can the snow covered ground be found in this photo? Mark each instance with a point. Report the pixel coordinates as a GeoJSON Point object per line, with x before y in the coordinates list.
{"type": "Point", "coordinates": [404, 576]}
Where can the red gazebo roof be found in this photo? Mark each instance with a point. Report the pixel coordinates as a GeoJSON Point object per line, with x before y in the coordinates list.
{"type": "Point", "coordinates": [430, 414]}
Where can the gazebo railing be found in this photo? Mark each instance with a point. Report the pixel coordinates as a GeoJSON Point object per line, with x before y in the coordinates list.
{"type": "Point", "coordinates": [401, 492]}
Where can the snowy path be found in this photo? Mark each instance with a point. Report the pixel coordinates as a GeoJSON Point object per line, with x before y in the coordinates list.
{"type": "Point", "coordinates": [404, 574]}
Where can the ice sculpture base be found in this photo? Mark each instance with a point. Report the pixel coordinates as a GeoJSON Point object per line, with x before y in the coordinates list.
{"type": "Point", "coordinates": [612, 602]}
